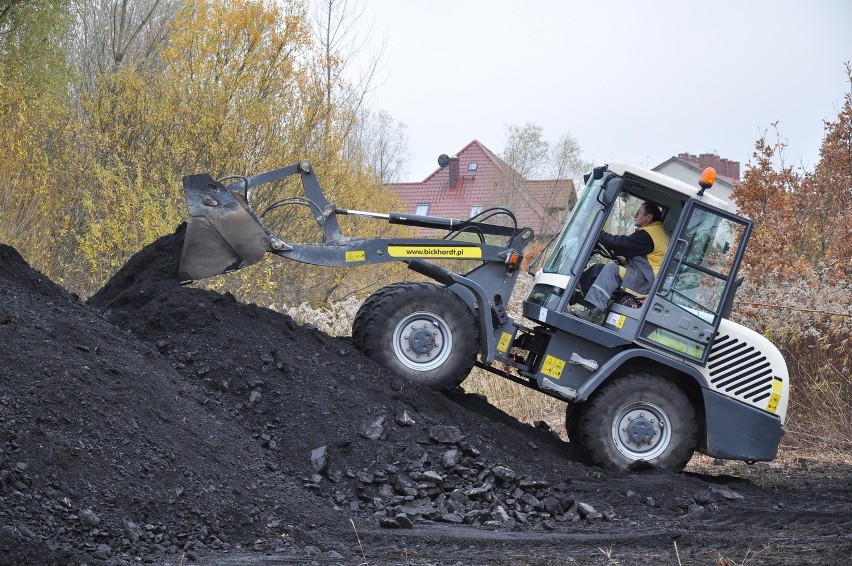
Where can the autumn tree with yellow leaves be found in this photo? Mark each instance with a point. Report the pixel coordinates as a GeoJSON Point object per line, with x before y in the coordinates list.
{"type": "Point", "coordinates": [803, 219]}
{"type": "Point", "coordinates": [165, 89]}
{"type": "Point", "coordinates": [38, 130]}
{"type": "Point", "coordinates": [218, 100]}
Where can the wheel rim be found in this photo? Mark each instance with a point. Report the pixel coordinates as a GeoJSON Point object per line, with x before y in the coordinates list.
{"type": "Point", "coordinates": [641, 431]}
{"type": "Point", "coordinates": [422, 341]}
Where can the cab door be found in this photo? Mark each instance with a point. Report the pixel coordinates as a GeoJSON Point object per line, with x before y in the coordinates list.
{"type": "Point", "coordinates": [694, 282]}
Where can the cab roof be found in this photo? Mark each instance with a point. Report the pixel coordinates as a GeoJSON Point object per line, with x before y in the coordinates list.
{"type": "Point", "coordinates": [673, 184]}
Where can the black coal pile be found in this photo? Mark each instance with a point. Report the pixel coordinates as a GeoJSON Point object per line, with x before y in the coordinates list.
{"type": "Point", "coordinates": [160, 421]}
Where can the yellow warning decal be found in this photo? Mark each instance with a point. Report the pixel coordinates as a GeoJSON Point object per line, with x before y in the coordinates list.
{"type": "Point", "coordinates": [775, 398]}
{"type": "Point", "coordinates": [357, 255]}
{"type": "Point", "coordinates": [436, 252]}
{"type": "Point", "coordinates": [619, 323]}
{"type": "Point", "coordinates": [552, 367]}
{"type": "Point", "coordinates": [503, 344]}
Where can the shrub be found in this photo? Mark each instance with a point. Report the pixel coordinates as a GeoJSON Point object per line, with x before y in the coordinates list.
{"type": "Point", "coordinates": [810, 320]}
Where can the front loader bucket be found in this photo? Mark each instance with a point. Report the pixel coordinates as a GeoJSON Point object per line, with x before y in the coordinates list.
{"type": "Point", "coordinates": [222, 233]}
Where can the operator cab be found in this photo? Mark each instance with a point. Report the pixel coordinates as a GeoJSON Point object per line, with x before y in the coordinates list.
{"type": "Point", "coordinates": [694, 286]}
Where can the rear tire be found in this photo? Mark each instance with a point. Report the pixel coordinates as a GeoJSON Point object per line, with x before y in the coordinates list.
{"type": "Point", "coordinates": [639, 417]}
{"type": "Point", "coordinates": [420, 331]}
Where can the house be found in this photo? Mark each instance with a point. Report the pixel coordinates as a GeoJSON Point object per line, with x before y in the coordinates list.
{"type": "Point", "coordinates": [687, 168]}
{"type": "Point", "coordinates": [475, 179]}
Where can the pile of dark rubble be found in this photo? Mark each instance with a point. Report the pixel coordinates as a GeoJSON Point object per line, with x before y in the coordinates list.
{"type": "Point", "coordinates": [450, 482]}
{"type": "Point", "coordinates": [159, 420]}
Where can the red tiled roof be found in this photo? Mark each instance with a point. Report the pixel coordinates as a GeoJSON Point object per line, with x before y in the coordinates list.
{"type": "Point", "coordinates": [540, 204]}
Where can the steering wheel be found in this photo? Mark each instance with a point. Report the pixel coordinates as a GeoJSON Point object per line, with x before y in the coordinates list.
{"type": "Point", "coordinates": [604, 251]}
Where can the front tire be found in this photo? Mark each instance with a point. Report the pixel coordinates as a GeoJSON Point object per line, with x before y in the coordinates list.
{"type": "Point", "coordinates": [639, 417]}
{"type": "Point", "coordinates": [573, 418]}
{"type": "Point", "coordinates": [420, 331]}
{"type": "Point", "coordinates": [574, 413]}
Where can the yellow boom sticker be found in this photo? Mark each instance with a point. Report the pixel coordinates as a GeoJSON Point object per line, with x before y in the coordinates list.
{"type": "Point", "coordinates": [436, 252]}
{"type": "Point", "coordinates": [357, 255]}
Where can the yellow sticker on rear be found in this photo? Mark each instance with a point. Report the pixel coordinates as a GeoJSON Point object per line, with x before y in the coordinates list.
{"type": "Point", "coordinates": [775, 398]}
{"type": "Point", "coordinates": [357, 255]}
{"type": "Point", "coordinates": [436, 252]}
{"type": "Point", "coordinates": [503, 344]}
{"type": "Point", "coordinates": [552, 367]}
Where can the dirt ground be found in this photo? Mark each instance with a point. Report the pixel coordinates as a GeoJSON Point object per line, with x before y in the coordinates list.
{"type": "Point", "coordinates": [163, 424]}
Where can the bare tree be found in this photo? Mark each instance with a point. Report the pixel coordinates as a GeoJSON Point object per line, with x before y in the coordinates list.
{"type": "Point", "coordinates": [344, 41]}
{"type": "Point", "coordinates": [528, 156]}
{"type": "Point", "coordinates": [525, 153]}
{"type": "Point", "coordinates": [565, 164]}
{"type": "Point", "coordinates": [348, 67]}
{"type": "Point", "coordinates": [384, 145]}
{"type": "Point", "coordinates": [566, 161]}
{"type": "Point", "coordinates": [109, 33]}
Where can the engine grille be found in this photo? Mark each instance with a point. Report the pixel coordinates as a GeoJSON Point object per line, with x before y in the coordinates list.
{"type": "Point", "coordinates": [739, 370]}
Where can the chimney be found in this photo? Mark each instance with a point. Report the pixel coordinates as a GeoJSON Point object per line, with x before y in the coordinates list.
{"type": "Point", "coordinates": [731, 169]}
{"type": "Point", "coordinates": [454, 173]}
{"type": "Point", "coordinates": [723, 166]}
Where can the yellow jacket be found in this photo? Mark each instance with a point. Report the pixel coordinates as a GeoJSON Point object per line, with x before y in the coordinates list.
{"type": "Point", "coordinates": [661, 244]}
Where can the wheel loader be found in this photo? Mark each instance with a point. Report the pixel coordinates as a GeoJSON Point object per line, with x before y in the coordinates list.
{"type": "Point", "coordinates": [665, 375]}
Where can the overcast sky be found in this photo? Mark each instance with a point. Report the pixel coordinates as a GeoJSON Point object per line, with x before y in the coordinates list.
{"type": "Point", "coordinates": [634, 82]}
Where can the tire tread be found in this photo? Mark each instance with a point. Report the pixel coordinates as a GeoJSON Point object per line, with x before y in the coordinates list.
{"type": "Point", "coordinates": [367, 326]}
{"type": "Point", "coordinates": [595, 434]}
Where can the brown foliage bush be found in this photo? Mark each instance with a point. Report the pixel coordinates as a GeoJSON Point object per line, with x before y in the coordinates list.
{"type": "Point", "coordinates": [810, 320]}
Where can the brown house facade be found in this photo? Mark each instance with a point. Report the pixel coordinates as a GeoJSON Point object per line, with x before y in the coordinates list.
{"type": "Point", "coordinates": [475, 179]}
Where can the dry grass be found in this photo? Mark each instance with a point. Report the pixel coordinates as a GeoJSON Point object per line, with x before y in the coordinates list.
{"type": "Point", "coordinates": [609, 557]}
{"type": "Point", "coordinates": [810, 320]}
{"type": "Point", "coordinates": [521, 402]}
{"type": "Point", "coordinates": [360, 545]}
{"type": "Point", "coordinates": [821, 396]}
